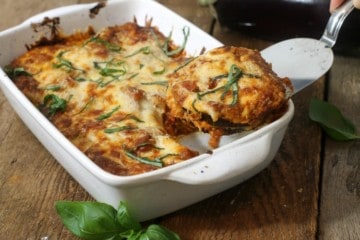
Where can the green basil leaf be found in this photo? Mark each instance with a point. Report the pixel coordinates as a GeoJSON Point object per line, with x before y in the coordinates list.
{"type": "Point", "coordinates": [125, 220]}
{"type": "Point", "coordinates": [14, 72]}
{"type": "Point", "coordinates": [89, 220]}
{"type": "Point", "coordinates": [332, 121]}
{"type": "Point", "coordinates": [157, 232]}
{"type": "Point", "coordinates": [54, 104]}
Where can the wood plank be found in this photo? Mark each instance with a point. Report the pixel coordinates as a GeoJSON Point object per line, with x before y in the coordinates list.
{"type": "Point", "coordinates": [279, 203]}
{"type": "Point", "coordinates": [340, 198]}
{"type": "Point", "coordinates": [30, 179]}
{"type": "Point", "coordinates": [13, 13]}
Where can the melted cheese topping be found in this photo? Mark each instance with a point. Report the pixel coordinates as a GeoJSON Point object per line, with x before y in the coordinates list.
{"type": "Point", "coordinates": [124, 94]}
{"type": "Point", "coordinates": [114, 85]}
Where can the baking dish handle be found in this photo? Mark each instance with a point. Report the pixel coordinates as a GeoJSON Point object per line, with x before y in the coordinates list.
{"type": "Point", "coordinates": [242, 161]}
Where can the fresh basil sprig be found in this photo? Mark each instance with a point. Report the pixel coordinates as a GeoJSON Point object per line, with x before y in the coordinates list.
{"type": "Point", "coordinates": [235, 73]}
{"type": "Point", "coordinates": [14, 72]}
{"type": "Point", "coordinates": [54, 104]}
{"type": "Point", "coordinates": [112, 68]}
{"type": "Point", "coordinates": [165, 46]}
{"type": "Point", "coordinates": [100, 221]}
{"type": "Point", "coordinates": [332, 121]}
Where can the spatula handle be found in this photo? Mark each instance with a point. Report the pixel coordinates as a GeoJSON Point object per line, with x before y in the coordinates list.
{"type": "Point", "coordinates": [335, 22]}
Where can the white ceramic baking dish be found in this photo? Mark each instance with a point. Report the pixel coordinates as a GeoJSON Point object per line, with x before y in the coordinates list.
{"type": "Point", "coordinates": [156, 193]}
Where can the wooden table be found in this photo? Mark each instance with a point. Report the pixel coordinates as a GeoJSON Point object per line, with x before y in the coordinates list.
{"type": "Point", "coordinates": [310, 191]}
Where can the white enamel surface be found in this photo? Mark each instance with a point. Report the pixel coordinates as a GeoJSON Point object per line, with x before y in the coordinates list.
{"type": "Point", "coordinates": [165, 190]}
{"type": "Point", "coordinates": [303, 60]}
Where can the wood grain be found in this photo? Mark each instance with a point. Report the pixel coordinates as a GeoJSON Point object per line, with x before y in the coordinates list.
{"type": "Point", "coordinates": [340, 199]}
{"type": "Point", "coordinates": [310, 191]}
{"type": "Point", "coordinates": [30, 178]}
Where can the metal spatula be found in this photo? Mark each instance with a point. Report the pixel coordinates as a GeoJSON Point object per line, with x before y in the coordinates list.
{"type": "Point", "coordinates": [305, 60]}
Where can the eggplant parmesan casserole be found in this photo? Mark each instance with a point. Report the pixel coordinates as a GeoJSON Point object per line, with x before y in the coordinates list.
{"type": "Point", "coordinates": [125, 94]}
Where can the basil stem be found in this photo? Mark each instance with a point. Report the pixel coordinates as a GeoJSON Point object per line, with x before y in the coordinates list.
{"type": "Point", "coordinates": [118, 129]}
{"type": "Point", "coordinates": [80, 79]}
{"type": "Point", "coordinates": [144, 50]}
{"type": "Point", "coordinates": [165, 46]}
{"type": "Point", "coordinates": [111, 68]}
{"type": "Point", "coordinates": [155, 162]}
{"type": "Point", "coordinates": [87, 105]}
{"type": "Point", "coordinates": [235, 93]}
{"type": "Point", "coordinates": [53, 87]}
{"type": "Point", "coordinates": [200, 95]}
{"type": "Point", "coordinates": [133, 117]}
{"type": "Point", "coordinates": [148, 145]}
{"type": "Point", "coordinates": [133, 75]}
{"type": "Point", "coordinates": [161, 71]}
{"type": "Point", "coordinates": [184, 64]}
{"type": "Point", "coordinates": [110, 46]}
{"type": "Point", "coordinates": [101, 82]}
{"type": "Point", "coordinates": [193, 105]}
{"type": "Point", "coordinates": [234, 75]}
{"type": "Point", "coordinates": [162, 83]}
{"type": "Point", "coordinates": [225, 75]}
{"type": "Point", "coordinates": [108, 114]}
{"type": "Point", "coordinates": [63, 63]}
